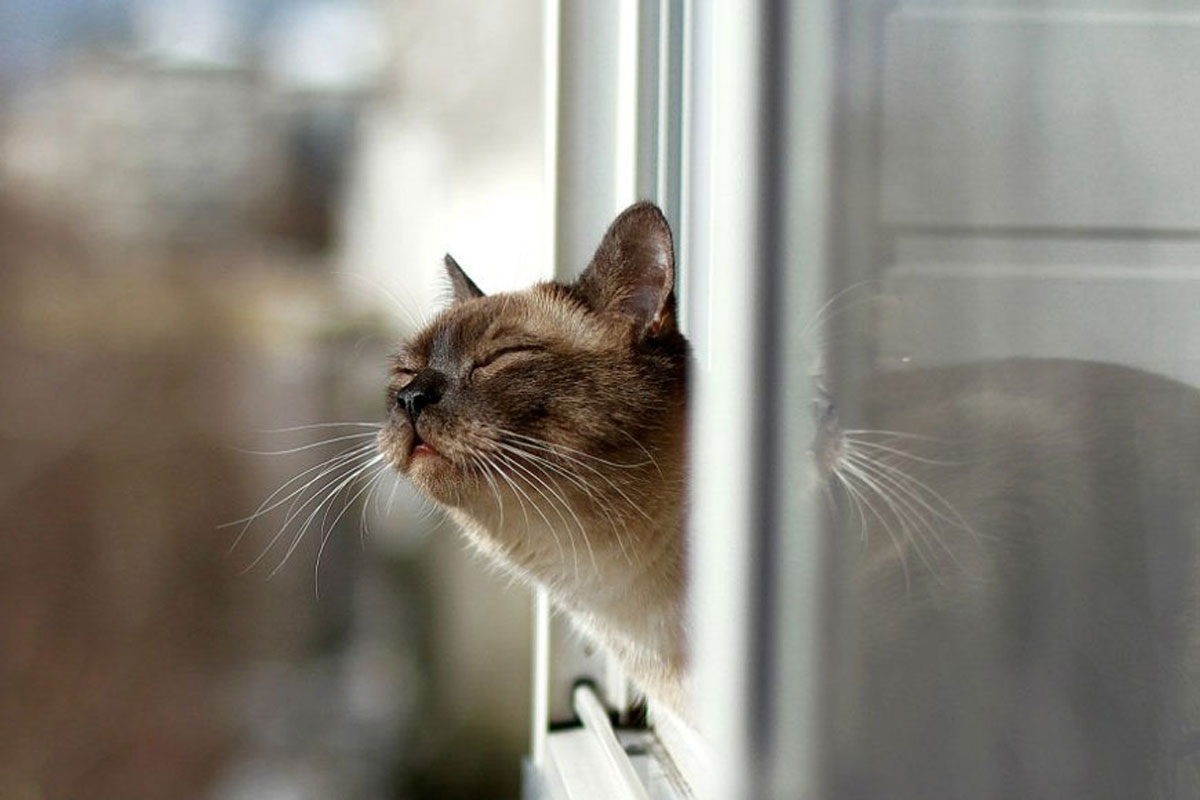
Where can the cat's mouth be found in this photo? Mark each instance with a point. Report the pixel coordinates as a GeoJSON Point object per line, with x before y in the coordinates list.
{"type": "Point", "coordinates": [405, 452]}
{"type": "Point", "coordinates": [420, 447]}
{"type": "Point", "coordinates": [433, 470]}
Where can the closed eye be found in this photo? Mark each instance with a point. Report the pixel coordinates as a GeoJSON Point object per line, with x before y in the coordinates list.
{"type": "Point", "coordinates": [498, 358]}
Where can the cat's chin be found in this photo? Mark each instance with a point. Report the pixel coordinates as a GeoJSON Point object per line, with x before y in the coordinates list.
{"type": "Point", "coordinates": [435, 476]}
{"type": "Point", "coordinates": [426, 467]}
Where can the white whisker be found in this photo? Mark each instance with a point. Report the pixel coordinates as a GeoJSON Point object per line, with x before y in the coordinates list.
{"type": "Point", "coordinates": [327, 496]}
{"type": "Point", "coordinates": [327, 466]}
{"type": "Point", "coordinates": [495, 489]}
{"type": "Point", "coordinates": [533, 461]}
{"type": "Point", "coordinates": [593, 493]}
{"type": "Point", "coordinates": [329, 532]}
{"type": "Point", "coordinates": [301, 448]}
{"type": "Point", "coordinates": [324, 493]}
{"type": "Point", "coordinates": [567, 456]}
{"type": "Point", "coordinates": [826, 312]}
{"type": "Point", "coordinates": [857, 443]}
{"type": "Point", "coordinates": [562, 449]}
{"type": "Point", "coordinates": [956, 519]}
{"type": "Point", "coordinates": [896, 434]}
{"type": "Point", "coordinates": [414, 316]}
{"type": "Point", "coordinates": [844, 478]}
{"type": "Point", "coordinates": [296, 428]}
{"type": "Point", "coordinates": [529, 475]}
{"type": "Point", "coordinates": [896, 496]}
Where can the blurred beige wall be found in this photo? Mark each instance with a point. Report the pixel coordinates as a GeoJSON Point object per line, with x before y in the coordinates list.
{"type": "Point", "coordinates": [196, 245]}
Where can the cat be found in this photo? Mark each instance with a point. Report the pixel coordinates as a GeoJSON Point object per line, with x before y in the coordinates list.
{"type": "Point", "coordinates": [1025, 600]}
{"type": "Point", "coordinates": [1021, 617]}
{"type": "Point", "coordinates": [550, 424]}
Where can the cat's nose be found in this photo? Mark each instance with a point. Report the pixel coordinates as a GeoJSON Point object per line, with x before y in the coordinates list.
{"type": "Point", "coordinates": [423, 390]}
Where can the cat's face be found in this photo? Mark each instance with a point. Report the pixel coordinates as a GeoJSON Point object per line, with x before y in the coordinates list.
{"type": "Point", "coordinates": [533, 392]}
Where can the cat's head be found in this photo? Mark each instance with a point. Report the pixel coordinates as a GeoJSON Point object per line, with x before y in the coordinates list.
{"type": "Point", "coordinates": [553, 395]}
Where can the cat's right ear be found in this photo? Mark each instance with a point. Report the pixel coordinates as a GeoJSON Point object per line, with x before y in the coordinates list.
{"type": "Point", "coordinates": [464, 288]}
{"type": "Point", "coordinates": [633, 271]}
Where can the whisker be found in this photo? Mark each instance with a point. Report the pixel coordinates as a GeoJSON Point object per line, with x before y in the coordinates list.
{"type": "Point", "coordinates": [364, 527]}
{"type": "Point", "coordinates": [836, 506]}
{"type": "Point", "coordinates": [904, 510]}
{"type": "Point", "coordinates": [528, 441]}
{"type": "Point", "coordinates": [549, 526]}
{"type": "Point", "coordinates": [327, 466]}
{"type": "Point", "coordinates": [484, 458]}
{"type": "Point", "coordinates": [901, 453]}
{"type": "Point", "coordinates": [483, 470]}
{"type": "Point", "coordinates": [957, 521]}
{"type": "Point", "coordinates": [642, 447]}
{"type": "Point", "coordinates": [392, 494]}
{"type": "Point", "coordinates": [588, 488]}
{"type": "Point", "coordinates": [529, 459]}
{"type": "Point", "coordinates": [329, 532]}
{"type": "Point", "coordinates": [902, 514]}
{"type": "Point", "coordinates": [593, 493]}
{"type": "Point", "coordinates": [859, 493]}
{"type": "Point", "coordinates": [826, 313]}
{"type": "Point", "coordinates": [296, 428]}
{"type": "Point", "coordinates": [520, 495]}
{"type": "Point", "coordinates": [561, 448]}
{"type": "Point", "coordinates": [327, 498]}
{"type": "Point", "coordinates": [322, 443]}
{"type": "Point", "coordinates": [896, 434]}
{"type": "Point", "coordinates": [529, 474]}
{"type": "Point", "coordinates": [413, 315]}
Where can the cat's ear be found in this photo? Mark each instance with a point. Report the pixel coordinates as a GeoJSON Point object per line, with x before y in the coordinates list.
{"type": "Point", "coordinates": [464, 288]}
{"type": "Point", "coordinates": [633, 271]}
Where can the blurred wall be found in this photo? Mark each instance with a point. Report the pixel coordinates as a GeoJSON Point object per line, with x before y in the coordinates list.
{"type": "Point", "coordinates": [216, 220]}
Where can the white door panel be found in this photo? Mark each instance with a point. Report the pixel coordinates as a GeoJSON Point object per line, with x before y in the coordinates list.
{"type": "Point", "coordinates": [1039, 182]}
{"type": "Point", "coordinates": [1059, 120]}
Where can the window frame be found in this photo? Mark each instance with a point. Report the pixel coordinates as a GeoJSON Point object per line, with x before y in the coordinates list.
{"type": "Point", "coordinates": [693, 104]}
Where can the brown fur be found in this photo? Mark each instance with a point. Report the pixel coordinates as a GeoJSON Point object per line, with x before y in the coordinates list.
{"type": "Point", "coordinates": [559, 440]}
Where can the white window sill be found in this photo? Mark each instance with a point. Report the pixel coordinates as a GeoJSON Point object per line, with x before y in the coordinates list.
{"type": "Point", "coordinates": [596, 762]}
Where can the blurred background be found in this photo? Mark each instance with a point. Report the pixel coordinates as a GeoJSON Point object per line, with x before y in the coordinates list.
{"type": "Point", "coordinates": [217, 217]}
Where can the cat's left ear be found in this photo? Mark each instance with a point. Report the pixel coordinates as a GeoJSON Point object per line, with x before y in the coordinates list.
{"type": "Point", "coordinates": [633, 271]}
{"type": "Point", "coordinates": [464, 288]}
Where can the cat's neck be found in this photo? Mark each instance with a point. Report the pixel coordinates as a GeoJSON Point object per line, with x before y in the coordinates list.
{"type": "Point", "coordinates": [617, 567]}
{"type": "Point", "coordinates": [596, 558]}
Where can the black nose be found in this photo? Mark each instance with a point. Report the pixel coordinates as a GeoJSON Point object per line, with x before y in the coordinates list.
{"type": "Point", "coordinates": [423, 390]}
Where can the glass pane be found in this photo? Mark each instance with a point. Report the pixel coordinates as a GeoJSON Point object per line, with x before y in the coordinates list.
{"type": "Point", "coordinates": [1012, 444]}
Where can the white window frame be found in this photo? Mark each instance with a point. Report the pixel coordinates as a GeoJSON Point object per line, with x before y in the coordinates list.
{"type": "Point", "coordinates": [722, 114]}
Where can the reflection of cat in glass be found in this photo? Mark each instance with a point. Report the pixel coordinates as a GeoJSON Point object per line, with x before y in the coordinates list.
{"type": "Point", "coordinates": [1024, 594]}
